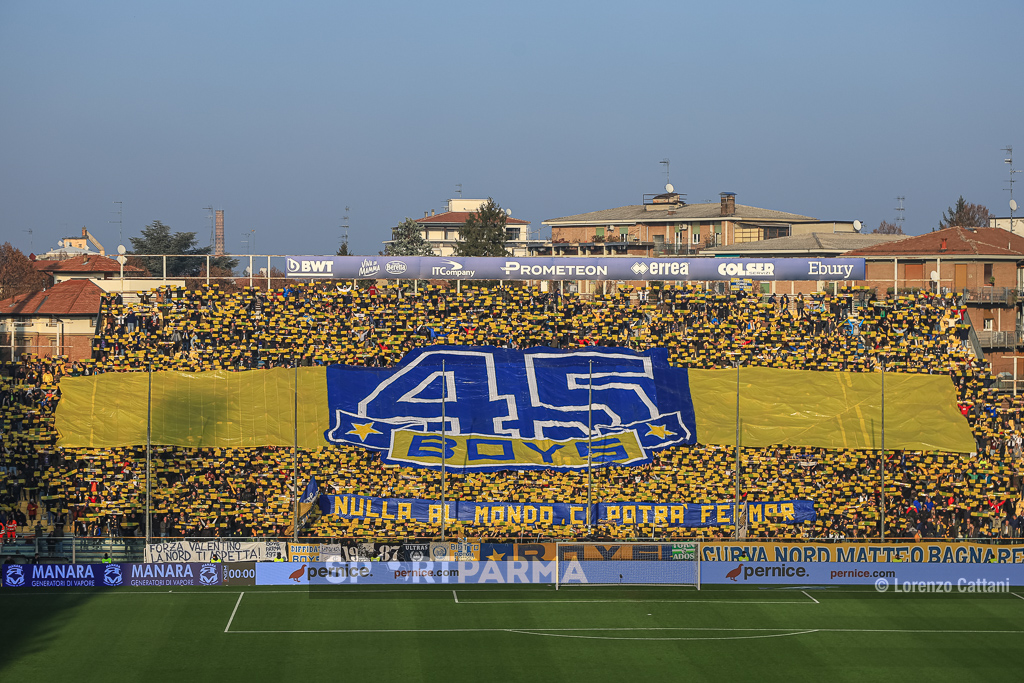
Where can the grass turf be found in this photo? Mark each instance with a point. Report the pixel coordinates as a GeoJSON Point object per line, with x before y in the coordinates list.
{"type": "Point", "coordinates": [508, 633]}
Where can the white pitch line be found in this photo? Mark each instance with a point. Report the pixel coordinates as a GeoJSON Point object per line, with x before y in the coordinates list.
{"type": "Point", "coordinates": [811, 597]}
{"type": "Point", "coordinates": [637, 628]}
{"type": "Point", "coordinates": [639, 601]}
{"type": "Point", "coordinates": [456, 596]}
{"type": "Point", "coordinates": [232, 618]}
{"type": "Point", "coordinates": [1019, 596]}
{"type": "Point", "coordinates": [570, 635]}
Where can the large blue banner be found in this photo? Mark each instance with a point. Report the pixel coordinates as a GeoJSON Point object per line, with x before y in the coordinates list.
{"type": "Point", "coordinates": [541, 408]}
{"type": "Point", "coordinates": [113, 575]}
{"type": "Point", "coordinates": [551, 514]}
{"type": "Point", "coordinates": [574, 268]}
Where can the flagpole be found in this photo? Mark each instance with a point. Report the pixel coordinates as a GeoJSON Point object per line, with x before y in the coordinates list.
{"type": "Point", "coordinates": [295, 455]}
{"type": "Point", "coordinates": [149, 455]}
{"type": "Point", "coordinates": [444, 445]}
{"type": "Point", "coordinates": [590, 445]}
{"type": "Point", "coordinates": [881, 469]}
{"type": "Point", "coordinates": [736, 509]}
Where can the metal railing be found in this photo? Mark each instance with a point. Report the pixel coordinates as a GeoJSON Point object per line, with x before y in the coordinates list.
{"type": "Point", "coordinates": [990, 295]}
{"type": "Point", "coordinates": [998, 339]}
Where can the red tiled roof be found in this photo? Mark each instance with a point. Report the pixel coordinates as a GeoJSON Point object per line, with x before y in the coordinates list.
{"type": "Point", "coordinates": [78, 297]}
{"type": "Point", "coordinates": [86, 263]}
{"type": "Point", "coordinates": [43, 264]}
{"type": "Point", "coordinates": [460, 218]}
{"type": "Point", "coordinates": [958, 242]}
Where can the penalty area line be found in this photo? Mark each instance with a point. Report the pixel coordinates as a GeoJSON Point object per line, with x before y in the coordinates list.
{"type": "Point", "coordinates": [555, 601]}
{"type": "Point", "coordinates": [232, 617]}
{"type": "Point", "coordinates": [811, 597]}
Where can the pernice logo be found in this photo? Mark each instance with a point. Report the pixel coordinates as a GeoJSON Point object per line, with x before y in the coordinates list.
{"type": "Point", "coordinates": [325, 266]}
{"type": "Point", "coordinates": [395, 267]}
{"type": "Point", "coordinates": [753, 269]}
{"type": "Point", "coordinates": [454, 269]}
{"type": "Point", "coordinates": [368, 267]}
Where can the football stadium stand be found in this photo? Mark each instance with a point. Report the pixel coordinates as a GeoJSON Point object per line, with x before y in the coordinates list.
{"type": "Point", "coordinates": [45, 489]}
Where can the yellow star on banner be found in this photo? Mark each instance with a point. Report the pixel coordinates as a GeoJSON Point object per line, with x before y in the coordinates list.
{"type": "Point", "coordinates": [363, 430]}
{"type": "Point", "coordinates": [495, 555]}
{"type": "Point", "coordinates": [660, 431]}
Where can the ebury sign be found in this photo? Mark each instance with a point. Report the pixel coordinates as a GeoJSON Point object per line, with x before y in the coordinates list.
{"type": "Point", "coordinates": [944, 552]}
{"type": "Point", "coordinates": [573, 268]}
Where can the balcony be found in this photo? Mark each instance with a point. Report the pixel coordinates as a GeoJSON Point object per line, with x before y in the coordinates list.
{"type": "Point", "coordinates": [990, 295]}
{"type": "Point", "coordinates": [1004, 339]}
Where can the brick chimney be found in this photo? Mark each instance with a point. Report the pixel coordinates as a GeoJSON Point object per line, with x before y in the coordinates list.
{"type": "Point", "coordinates": [728, 200]}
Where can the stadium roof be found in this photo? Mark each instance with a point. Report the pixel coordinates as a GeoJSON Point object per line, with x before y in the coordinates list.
{"type": "Point", "coordinates": [817, 243]}
{"type": "Point", "coordinates": [79, 297]}
{"type": "Point", "coordinates": [956, 241]}
{"type": "Point", "coordinates": [639, 213]}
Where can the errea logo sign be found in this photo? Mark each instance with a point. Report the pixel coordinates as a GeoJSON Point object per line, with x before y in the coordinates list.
{"type": "Point", "coordinates": [310, 267]}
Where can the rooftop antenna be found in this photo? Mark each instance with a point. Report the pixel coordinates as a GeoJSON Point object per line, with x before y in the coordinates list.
{"type": "Point", "coordinates": [458, 188]}
{"type": "Point", "coordinates": [213, 226]}
{"type": "Point", "coordinates": [899, 213]}
{"type": "Point", "coordinates": [344, 229]}
{"type": "Point", "coordinates": [31, 244]}
{"type": "Point", "coordinates": [1009, 160]}
{"type": "Point", "coordinates": [668, 177]}
{"type": "Point", "coordinates": [120, 205]}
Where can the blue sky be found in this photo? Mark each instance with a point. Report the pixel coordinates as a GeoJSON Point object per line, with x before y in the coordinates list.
{"type": "Point", "coordinates": [284, 113]}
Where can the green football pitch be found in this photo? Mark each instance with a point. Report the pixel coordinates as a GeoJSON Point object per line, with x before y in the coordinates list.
{"type": "Point", "coordinates": [509, 633]}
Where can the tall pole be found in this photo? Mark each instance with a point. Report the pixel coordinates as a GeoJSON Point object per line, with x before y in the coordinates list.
{"type": "Point", "coordinates": [295, 454]}
{"type": "Point", "coordinates": [149, 454]}
{"type": "Point", "coordinates": [881, 468]}
{"type": "Point", "coordinates": [590, 445]}
{"type": "Point", "coordinates": [736, 508]}
{"type": "Point", "coordinates": [444, 446]}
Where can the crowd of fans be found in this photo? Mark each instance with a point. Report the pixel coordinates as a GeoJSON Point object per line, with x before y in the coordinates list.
{"type": "Point", "coordinates": [249, 492]}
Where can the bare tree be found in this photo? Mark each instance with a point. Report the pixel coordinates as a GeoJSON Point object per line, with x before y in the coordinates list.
{"type": "Point", "coordinates": [887, 228]}
{"type": "Point", "coordinates": [17, 274]}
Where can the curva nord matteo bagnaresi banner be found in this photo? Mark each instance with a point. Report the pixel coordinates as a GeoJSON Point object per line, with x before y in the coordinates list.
{"type": "Point", "coordinates": [573, 268]}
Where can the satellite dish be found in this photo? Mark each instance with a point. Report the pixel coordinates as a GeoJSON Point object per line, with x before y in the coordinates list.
{"type": "Point", "coordinates": [669, 187]}
{"type": "Point", "coordinates": [1013, 205]}
{"type": "Point", "coordinates": [508, 212]}
{"type": "Point", "coordinates": [60, 243]}
{"type": "Point", "coordinates": [122, 259]}
{"type": "Point", "coordinates": [121, 249]}
{"type": "Point", "coordinates": [935, 276]}
{"type": "Point", "coordinates": [857, 225]}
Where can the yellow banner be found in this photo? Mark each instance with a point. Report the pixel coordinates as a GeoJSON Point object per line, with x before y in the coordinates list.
{"type": "Point", "coordinates": [210, 409]}
{"type": "Point", "coordinates": [829, 410]}
{"type": "Point", "coordinates": [483, 452]}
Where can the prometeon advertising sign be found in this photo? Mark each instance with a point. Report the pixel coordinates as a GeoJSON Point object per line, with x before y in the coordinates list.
{"type": "Point", "coordinates": [572, 268]}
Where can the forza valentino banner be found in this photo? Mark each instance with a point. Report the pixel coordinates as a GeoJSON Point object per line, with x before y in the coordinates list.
{"type": "Point", "coordinates": [573, 268]}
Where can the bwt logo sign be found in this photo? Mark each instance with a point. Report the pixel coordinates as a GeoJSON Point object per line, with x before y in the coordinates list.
{"type": "Point", "coordinates": [308, 266]}
{"type": "Point", "coordinates": [747, 269]}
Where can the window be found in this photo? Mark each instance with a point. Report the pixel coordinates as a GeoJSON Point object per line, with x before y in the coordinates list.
{"type": "Point", "coordinates": [988, 274]}
{"type": "Point", "coordinates": [511, 233]}
{"type": "Point", "coordinates": [600, 232]}
{"type": "Point", "coordinates": [695, 237]}
{"type": "Point", "coordinates": [773, 231]}
{"type": "Point", "coordinates": [988, 327]}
